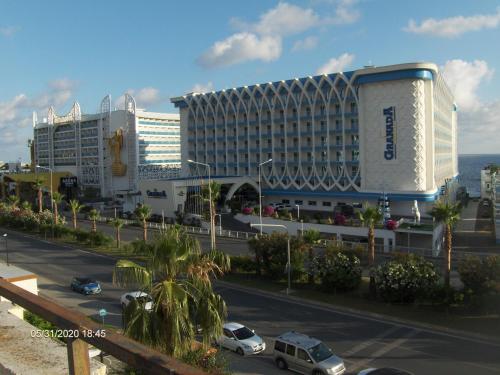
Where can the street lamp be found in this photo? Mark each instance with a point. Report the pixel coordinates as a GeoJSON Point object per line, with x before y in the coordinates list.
{"type": "Point", "coordinates": [288, 264]}
{"type": "Point", "coordinates": [6, 248]}
{"type": "Point", "coordinates": [51, 192]}
{"type": "Point", "coordinates": [212, 225]}
{"type": "Point", "coordinates": [260, 194]}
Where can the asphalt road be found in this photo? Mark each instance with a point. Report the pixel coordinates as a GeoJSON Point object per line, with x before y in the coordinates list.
{"type": "Point", "coordinates": [362, 342]}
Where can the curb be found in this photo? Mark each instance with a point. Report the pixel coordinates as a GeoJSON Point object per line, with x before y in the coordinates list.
{"type": "Point", "coordinates": [431, 328]}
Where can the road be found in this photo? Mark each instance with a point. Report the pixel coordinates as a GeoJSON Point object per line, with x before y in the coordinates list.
{"type": "Point", "coordinates": [361, 341]}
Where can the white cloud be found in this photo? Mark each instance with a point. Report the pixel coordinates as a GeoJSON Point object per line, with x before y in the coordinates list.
{"type": "Point", "coordinates": [336, 64]}
{"type": "Point", "coordinates": [455, 26]}
{"type": "Point", "coordinates": [201, 88]}
{"type": "Point", "coordinates": [8, 31]}
{"type": "Point", "coordinates": [262, 40]}
{"type": "Point", "coordinates": [305, 44]}
{"type": "Point", "coordinates": [464, 78]}
{"type": "Point", "coordinates": [143, 97]}
{"type": "Point", "coordinates": [241, 47]}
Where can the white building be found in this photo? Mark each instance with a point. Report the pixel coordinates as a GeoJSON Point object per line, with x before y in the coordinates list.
{"type": "Point", "coordinates": [110, 150]}
{"type": "Point", "coordinates": [334, 138]}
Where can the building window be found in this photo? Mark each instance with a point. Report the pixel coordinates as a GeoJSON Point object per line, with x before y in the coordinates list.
{"type": "Point", "coordinates": [311, 203]}
{"type": "Point", "coordinates": [295, 156]}
{"type": "Point", "coordinates": [327, 204]}
{"type": "Point", "coordinates": [285, 201]}
{"type": "Point", "coordinates": [299, 202]}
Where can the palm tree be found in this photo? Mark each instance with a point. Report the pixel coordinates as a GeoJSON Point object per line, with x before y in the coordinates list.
{"type": "Point", "coordinates": [118, 224]}
{"type": "Point", "coordinates": [369, 217]}
{"type": "Point", "coordinates": [211, 191]}
{"type": "Point", "coordinates": [311, 237]}
{"type": "Point", "coordinates": [182, 292]}
{"type": "Point", "coordinates": [448, 214]}
{"type": "Point", "coordinates": [94, 216]}
{"type": "Point", "coordinates": [57, 199]}
{"type": "Point", "coordinates": [143, 213]}
{"type": "Point", "coordinates": [13, 201]}
{"type": "Point", "coordinates": [38, 184]}
{"type": "Point", "coordinates": [75, 207]}
{"type": "Point", "coordinates": [26, 206]}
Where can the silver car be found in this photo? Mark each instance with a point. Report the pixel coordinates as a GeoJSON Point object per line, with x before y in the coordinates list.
{"type": "Point", "coordinates": [306, 355]}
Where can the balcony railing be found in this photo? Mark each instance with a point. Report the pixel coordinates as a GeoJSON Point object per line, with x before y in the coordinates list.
{"type": "Point", "coordinates": [139, 356]}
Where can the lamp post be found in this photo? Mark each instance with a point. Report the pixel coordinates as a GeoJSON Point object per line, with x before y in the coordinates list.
{"type": "Point", "coordinates": [260, 194]}
{"type": "Point", "coordinates": [298, 212]}
{"type": "Point", "coordinates": [212, 225]}
{"type": "Point", "coordinates": [6, 249]}
{"type": "Point", "coordinates": [288, 264]}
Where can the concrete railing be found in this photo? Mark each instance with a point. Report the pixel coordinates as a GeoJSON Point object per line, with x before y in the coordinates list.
{"type": "Point", "coordinates": [84, 332]}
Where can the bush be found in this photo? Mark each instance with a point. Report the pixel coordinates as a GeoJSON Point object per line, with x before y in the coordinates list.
{"type": "Point", "coordinates": [317, 216]}
{"type": "Point", "coordinates": [61, 230]}
{"type": "Point", "coordinates": [405, 279]}
{"type": "Point", "coordinates": [247, 211]}
{"type": "Point", "coordinates": [81, 235]}
{"type": "Point", "coordinates": [271, 255]}
{"type": "Point", "coordinates": [337, 272]}
{"type": "Point", "coordinates": [268, 211]}
{"type": "Point", "coordinates": [242, 263]}
{"type": "Point", "coordinates": [340, 219]}
{"type": "Point", "coordinates": [480, 275]}
{"type": "Point", "coordinates": [100, 239]}
{"type": "Point", "coordinates": [211, 361]}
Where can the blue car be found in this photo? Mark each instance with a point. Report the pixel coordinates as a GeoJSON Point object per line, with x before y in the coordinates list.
{"type": "Point", "coordinates": [85, 285]}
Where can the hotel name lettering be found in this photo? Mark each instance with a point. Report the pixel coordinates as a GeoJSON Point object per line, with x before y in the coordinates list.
{"type": "Point", "coordinates": [390, 133]}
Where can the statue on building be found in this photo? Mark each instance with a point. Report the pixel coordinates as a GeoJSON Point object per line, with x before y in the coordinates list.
{"type": "Point", "coordinates": [115, 144]}
{"type": "Point", "coordinates": [416, 213]}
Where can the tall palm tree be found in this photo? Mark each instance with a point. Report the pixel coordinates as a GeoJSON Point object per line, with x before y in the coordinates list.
{"type": "Point", "coordinates": [75, 207]}
{"type": "Point", "coordinates": [311, 237]}
{"type": "Point", "coordinates": [210, 195]}
{"type": "Point", "coordinates": [178, 276]}
{"type": "Point", "coordinates": [143, 213]}
{"type": "Point", "coordinates": [117, 223]}
{"type": "Point", "coordinates": [448, 214]}
{"type": "Point", "coordinates": [57, 198]}
{"type": "Point", "coordinates": [38, 184]}
{"type": "Point", "coordinates": [94, 216]}
{"type": "Point", "coordinates": [369, 217]}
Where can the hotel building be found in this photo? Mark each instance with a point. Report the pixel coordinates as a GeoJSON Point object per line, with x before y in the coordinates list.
{"type": "Point", "coordinates": [110, 150]}
{"type": "Point", "coordinates": [339, 138]}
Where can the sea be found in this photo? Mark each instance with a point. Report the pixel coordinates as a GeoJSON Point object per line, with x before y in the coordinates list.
{"type": "Point", "coordinates": [469, 167]}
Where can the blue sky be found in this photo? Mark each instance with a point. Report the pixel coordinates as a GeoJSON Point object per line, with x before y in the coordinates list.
{"type": "Point", "coordinates": [57, 52]}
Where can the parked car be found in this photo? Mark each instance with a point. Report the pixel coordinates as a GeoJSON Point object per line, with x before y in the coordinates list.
{"type": "Point", "coordinates": [384, 371]}
{"type": "Point", "coordinates": [306, 355]}
{"type": "Point", "coordinates": [241, 339]}
{"type": "Point", "coordinates": [85, 285]}
{"type": "Point", "coordinates": [141, 297]}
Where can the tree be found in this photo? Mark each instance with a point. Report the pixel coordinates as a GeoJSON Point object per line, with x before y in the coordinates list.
{"type": "Point", "coordinates": [178, 276]}
{"type": "Point", "coordinates": [57, 198]}
{"type": "Point", "coordinates": [369, 217]}
{"type": "Point", "coordinates": [311, 237]}
{"type": "Point", "coordinates": [143, 213]}
{"type": "Point", "coordinates": [117, 223]}
{"type": "Point", "coordinates": [26, 206]}
{"type": "Point", "coordinates": [12, 201]}
{"type": "Point", "coordinates": [210, 195]}
{"type": "Point", "coordinates": [94, 216]}
{"type": "Point", "coordinates": [448, 214]}
{"type": "Point", "coordinates": [75, 207]}
{"type": "Point", "coordinates": [38, 184]}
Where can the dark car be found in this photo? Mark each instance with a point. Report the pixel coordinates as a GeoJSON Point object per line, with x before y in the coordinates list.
{"type": "Point", "coordinates": [85, 285]}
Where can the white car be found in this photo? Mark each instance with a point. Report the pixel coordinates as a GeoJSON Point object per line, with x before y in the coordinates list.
{"type": "Point", "coordinates": [240, 339]}
{"type": "Point", "coordinates": [141, 296]}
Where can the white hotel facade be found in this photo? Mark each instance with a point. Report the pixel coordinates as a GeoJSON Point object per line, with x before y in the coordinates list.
{"type": "Point", "coordinates": [79, 143]}
{"type": "Point", "coordinates": [334, 138]}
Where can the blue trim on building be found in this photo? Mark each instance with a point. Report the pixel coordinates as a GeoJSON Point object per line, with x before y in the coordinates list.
{"type": "Point", "coordinates": [354, 194]}
{"type": "Point", "coordinates": [394, 76]}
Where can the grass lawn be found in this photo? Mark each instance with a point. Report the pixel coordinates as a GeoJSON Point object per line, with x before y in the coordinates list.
{"type": "Point", "coordinates": [486, 323]}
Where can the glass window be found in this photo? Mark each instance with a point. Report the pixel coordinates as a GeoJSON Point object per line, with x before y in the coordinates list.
{"type": "Point", "coordinates": [290, 350]}
{"type": "Point", "coordinates": [285, 201]}
{"type": "Point", "coordinates": [228, 333]}
{"type": "Point", "coordinates": [311, 203]}
{"type": "Point", "coordinates": [279, 346]}
{"type": "Point", "coordinates": [299, 202]}
{"type": "Point", "coordinates": [327, 204]}
{"type": "Point", "coordinates": [301, 354]}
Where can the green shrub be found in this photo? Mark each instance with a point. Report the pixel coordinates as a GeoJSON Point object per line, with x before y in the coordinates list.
{"type": "Point", "coordinates": [405, 278]}
{"type": "Point", "coordinates": [337, 271]}
{"type": "Point", "coordinates": [480, 275]}
{"type": "Point", "coordinates": [100, 239]}
{"type": "Point", "coordinates": [61, 230]}
{"type": "Point", "coordinates": [81, 235]}
{"type": "Point", "coordinates": [41, 324]}
{"type": "Point", "coordinates": [271, 255]}
{"type": "Point", "coordinates": [242, 263]}
{"type": "Point", "coordinates": [214, 362]}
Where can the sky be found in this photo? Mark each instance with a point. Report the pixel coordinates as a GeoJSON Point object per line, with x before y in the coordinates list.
{"type": "Point", "coordinates": [56, 52]}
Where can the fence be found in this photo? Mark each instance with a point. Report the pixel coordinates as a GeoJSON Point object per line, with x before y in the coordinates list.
{"type": "Point", "coordinates": [139, 356]}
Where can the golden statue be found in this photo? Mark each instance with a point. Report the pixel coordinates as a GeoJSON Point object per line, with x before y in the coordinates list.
{"type": "Point", "coordinates": [115, 144]}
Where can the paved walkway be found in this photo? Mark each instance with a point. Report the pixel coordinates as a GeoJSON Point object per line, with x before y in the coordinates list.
{"type": "Point", "coordinates": [474, 230]}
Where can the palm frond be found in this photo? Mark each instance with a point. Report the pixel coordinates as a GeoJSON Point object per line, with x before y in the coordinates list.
{"type": "Point", "coordinates": [128, 273]}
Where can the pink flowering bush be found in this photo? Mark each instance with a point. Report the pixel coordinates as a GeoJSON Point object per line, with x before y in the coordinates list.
{"type": "Point", "coordinates": [247, 211]}
{"type": "Point", "coordinates": [340, 219]}
{"type": "Point", "coordinates": [391, 224]}
{"type": "Point", "coordinates": [268, 211]}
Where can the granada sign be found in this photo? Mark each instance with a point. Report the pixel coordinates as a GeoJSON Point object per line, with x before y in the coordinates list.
{"type": "Point", "coordinates": [156, 194]}
{"type": "Point", "coordinates": [390, 133]}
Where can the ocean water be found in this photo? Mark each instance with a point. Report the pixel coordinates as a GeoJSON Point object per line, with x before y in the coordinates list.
{"type": "Point", "coordinates": [469, 167]}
